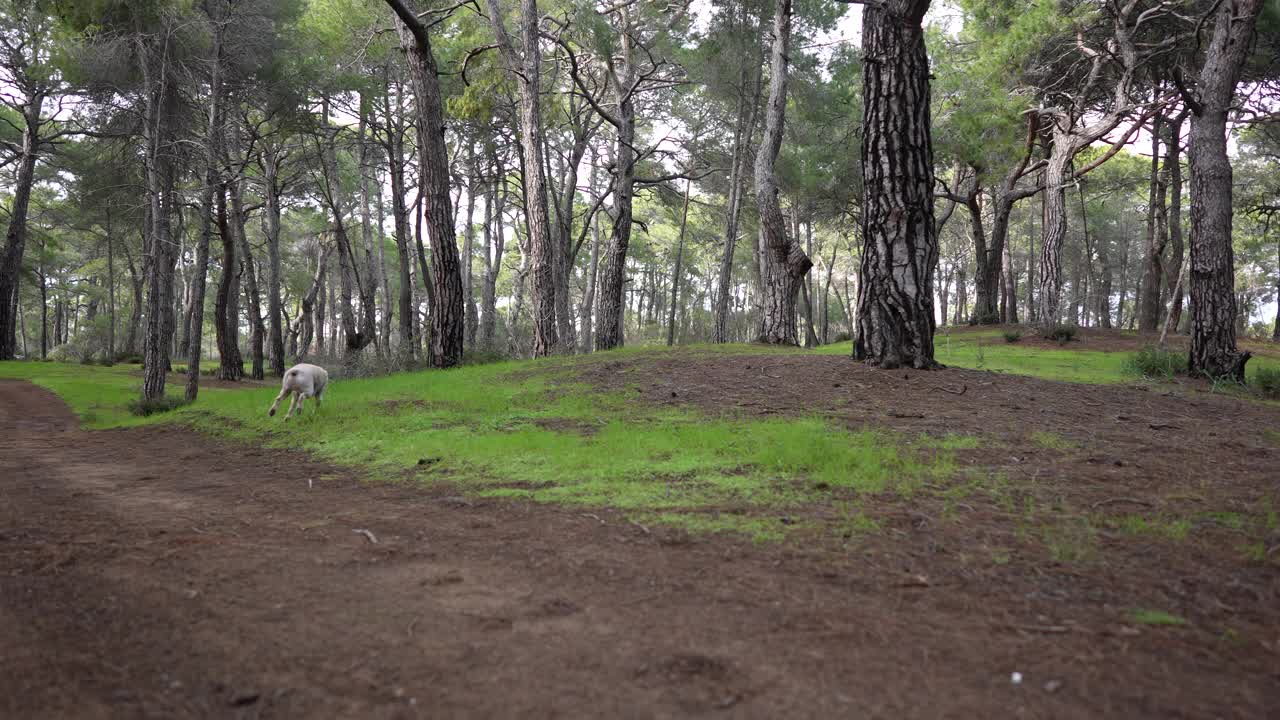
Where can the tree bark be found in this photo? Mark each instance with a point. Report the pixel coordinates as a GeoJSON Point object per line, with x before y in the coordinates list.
{"type": "Point", "coordinates": [16, 236]}
{"type": "Point", "coordinates": [447, 309]}
{"type": "Point", "coordinates": [195, 323]}
{"type": "Point", "coordinates": [1213, 301]}
{"type": "Point", "coordinates": [271, 225]}
{"type": "Point", "coordinates": [525, 66]}
{"type": "Point", "coordinates": [783, 261]}
{"type": "Point", "coordinates": [1177, 246]}
{"type": "Point", "coordinates": [900, 248]}
{"type": "Point", "coordinates": [1153, 258]}
{"type": "Point", "coordinates": [226, 317]}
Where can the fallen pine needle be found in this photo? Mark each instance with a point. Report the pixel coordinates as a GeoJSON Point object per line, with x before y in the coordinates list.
{"type": "Point", "coordinates": [368, 534]}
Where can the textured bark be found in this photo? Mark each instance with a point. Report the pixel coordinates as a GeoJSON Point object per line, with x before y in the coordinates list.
{"type": "Point", "coordinates": [226, 316]}
{"type": "Point", "coordinates": [195, 323]}
{"type": "Point", "coordinates": [1177, 246]}
{"type": "Point", "coordinates": [588, 308]}
{"type": "Point", "coordinates": [447, 308]}
{"type": "Point", "coordinates": [468, 252]}
{"type": "Point", "coordinates": [163, 251]}
{"type": "Point", "coordinates": [16, 235]}
{"type": "Point", "coordinates": [1054, 228]}
{"type": "Point", "coordinates": [400, 218]}
{"type": "Point", "coordinates": [1213, 302]}
{"type": "Point", "coordinates": [895, 295]}
{"type": "Point", "coordinates": [271, 225]}
{"type": "Point", "coordinates": [253, 308]}
{"type": "Point", "coordinates": [783, 261]}
{"type": "Point", "coordinates": [1157, 237]}
{"type": "Point", "coordinates": [524, 64]}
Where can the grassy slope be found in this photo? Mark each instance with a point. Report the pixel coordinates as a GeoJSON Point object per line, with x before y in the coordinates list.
{"type": "Point", "coordinates": [520, 429]}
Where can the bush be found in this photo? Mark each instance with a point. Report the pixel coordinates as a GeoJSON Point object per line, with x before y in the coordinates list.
{"type": "Point", "coordinates": [143, 408]}
{"type": "Point", "coordinates": [128, 358]}
{"type": "Point", "coordinates": [1268, 382]}
{"type": "Point", "coordinates": [1012, 336]}
{"type": "Point", "coordinates": [1063, 334]}
{"type": "Point", "coordinates": [1154, 362]}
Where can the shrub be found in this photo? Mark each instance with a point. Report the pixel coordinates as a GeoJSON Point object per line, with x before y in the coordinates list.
{"type": "Point", "coordinates": [143, 408]}
{"type": "Point", "coordinates": [1154, 362]}
{"type": "Point", "coordinates": [1012, 336]}
{"type": "Point", "coordinates": [128, 358]}
{"type": "Point", "coordinates": [1063, 334]}
{"type": "Point", "coordinates": [1268, 382]}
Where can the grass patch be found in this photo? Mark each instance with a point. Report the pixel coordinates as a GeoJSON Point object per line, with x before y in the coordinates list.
{"type": "Point", "coordinates": [1267, 382]}
{"type": "Point", "coordinates": [1159, 526]}
{"type": "Point", "coordinates": [522, 429]}
{"type": "Point", "coordinates": [1012, 336]}
{"type": "Point", "coordinates": [1156, 363]}
{"type": "Point", "coordinates": [1156, 618]}
{"type": "Point", "coordinates": [143, 407]}
{"type": "Point", "coordinates": [1052, 441]}
{"type": "Point", "coordinates": [1070, 541]}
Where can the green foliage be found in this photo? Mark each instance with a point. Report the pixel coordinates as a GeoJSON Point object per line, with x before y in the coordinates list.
{"type": "Point", "coordinates": [1267, 381]}
{"type": "Point", "coordinates": [1052, 441]}
{"type": "Point", "coordinates": [1157, 363]}
{"type": "Point", "coordinates": [1012, 336]}
{"type": "Point", "coordinates": [144, 408]}
{"type": "Point", "coordinates": [1158, 618]}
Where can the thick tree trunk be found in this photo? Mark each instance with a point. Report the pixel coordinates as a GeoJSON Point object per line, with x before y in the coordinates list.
{"type": "Point", "coordinates": [1054, 228]}
{"type": "Point", "coordinates": [783, 261]}
{"type": "Point", "coordinates": [1213, 302]}
{"type": "Point", "coordinates": [308, 310]}
{"type": "Point", "coordinates": [448, 317]}
{"type": "Point", "coordinates": [986, 276]}
{"type": "Point", "coordinates": [226, 316]}
{"type": "Point", "coordinates": [163, 251]}
{"type": "Point", "coordinates": [16, 236]}
{"type": "Point", "coordinates": [900, 248]}
{"type": "Point", "coordinates": [195, 323]}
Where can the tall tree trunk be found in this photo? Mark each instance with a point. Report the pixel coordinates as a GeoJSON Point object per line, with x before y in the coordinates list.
{"type": "Point", "coordinates": [1213, 302]}
{"type": "Point", "coordinates": [900, 246]}
{"type": "Point", "coordinates": [447, 312]}
{"type": "Point", "coordinates": [1177, 247]}
{"type": "Point", "coordinates": [271, 226]}
{"type": "Point", "coordinates": [495, 242]}
{"type": "Point", "coordinates": [524, 64]}
{"type": "Point", "coordinates": [400, 218]}
{"type": "Point", "coordinates": [675, 275]}
{"type": "Point", "coordinates": [213, 131]}
{"type": "Point", "coordinates": [468, 254]}
{"type": "Point", "coordinates": [16, 236]}
{"type": "Point", "coordinates": [1153, 257]}
{"type": "Point", "coordinates": [743, 130]}
{"type": "Point", "coordinates": [588, 309]}
{"type": "Point", "coordinates": [163, 250]}
{"type": "Point", "coordinates": [783, 261]}
{"type": "Point", "coordinates": [308, 310]}
{"type": "Point", "coordinates": [1054, 227]}
{"type": "Point", "coordinates": [253, 307]}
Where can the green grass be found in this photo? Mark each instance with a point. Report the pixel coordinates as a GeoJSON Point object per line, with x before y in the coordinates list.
{"type": "Point", "coordinates": [1157, 526]}
{"type": "Point", "coordinates": [1156, 617]}
{"type": "Point", "coordinates": [1051, 441]}
{"type": "Point", "coordinates": [521, 429]}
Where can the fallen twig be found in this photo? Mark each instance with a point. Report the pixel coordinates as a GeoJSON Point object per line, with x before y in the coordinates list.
{"type": "Point", "coordinates": [963, 389]}
{"type": "Point", "coordinates": [368, 534]}
{"type": "Point", "coordinates": [642, 527]}
{"type": "Point", "coordinates": [762, 372]}
{"type": "Point", "coordinates": [595, 517]}
{"type": "Point", "coordinates": [1112, 501]}
{"type": "Point", "coordinates": [1050, 629]}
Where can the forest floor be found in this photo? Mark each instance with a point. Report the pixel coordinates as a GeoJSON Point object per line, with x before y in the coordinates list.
{"type": "Point", "coordinates": [1117, 546]}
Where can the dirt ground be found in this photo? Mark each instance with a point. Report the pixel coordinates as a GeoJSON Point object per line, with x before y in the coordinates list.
{"type": "Point", "coordinates": [154, 572]}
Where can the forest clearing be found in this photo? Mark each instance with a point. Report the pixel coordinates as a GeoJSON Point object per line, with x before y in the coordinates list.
{"type": "Point", "coordinates": [701, 538]}
{"type": "Point", "coordinates": [640, 358]}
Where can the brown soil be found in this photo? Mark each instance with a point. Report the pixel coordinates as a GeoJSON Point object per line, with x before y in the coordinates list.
{"type": "Point", "coordinates": [154, 572]}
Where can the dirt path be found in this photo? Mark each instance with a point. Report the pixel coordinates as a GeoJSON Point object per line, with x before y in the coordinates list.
{"type": "Point", "coordinates": [157, 573]}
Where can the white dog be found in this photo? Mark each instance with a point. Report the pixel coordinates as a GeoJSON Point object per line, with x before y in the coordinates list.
{"type": "Point", "coordinates": [303, 381]}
